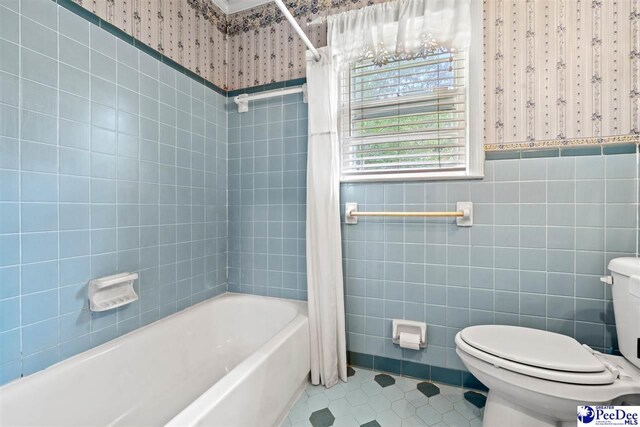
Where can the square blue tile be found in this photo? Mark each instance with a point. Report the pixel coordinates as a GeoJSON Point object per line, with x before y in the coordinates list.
{"type": "Point", "coordinates": [39, 336]}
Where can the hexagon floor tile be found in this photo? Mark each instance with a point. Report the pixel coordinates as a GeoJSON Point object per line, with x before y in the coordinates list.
{"type": "Point", "coordinates": [322, 418]}
{"type": "Point", "coordinates": [384, 380]}
{"type": "Point", "coordinates": [372, 399]}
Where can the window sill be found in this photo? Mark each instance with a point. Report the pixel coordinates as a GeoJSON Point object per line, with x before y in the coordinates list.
{"type": "Point", "coordinates": [409, 178]}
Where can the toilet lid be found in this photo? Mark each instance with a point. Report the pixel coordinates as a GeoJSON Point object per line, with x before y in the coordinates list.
{"type": "Point", "coordinates": [532, 347]}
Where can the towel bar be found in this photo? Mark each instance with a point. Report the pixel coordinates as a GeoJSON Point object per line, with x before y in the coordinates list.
{"type": "Point", "coordinates": [463, 214]}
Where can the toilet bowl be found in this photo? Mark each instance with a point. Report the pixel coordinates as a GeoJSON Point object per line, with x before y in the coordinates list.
{"type": "Point", "coordinates": [538, 390]}
{"type": "Point", "coordinates": [538, 378]}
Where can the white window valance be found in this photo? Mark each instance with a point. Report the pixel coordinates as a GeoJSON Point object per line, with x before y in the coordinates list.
{"type": "Point", "coordinates": [399, 30]}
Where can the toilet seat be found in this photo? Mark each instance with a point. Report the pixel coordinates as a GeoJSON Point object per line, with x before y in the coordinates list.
{"type": "Point", "coordinates": [536, 353]}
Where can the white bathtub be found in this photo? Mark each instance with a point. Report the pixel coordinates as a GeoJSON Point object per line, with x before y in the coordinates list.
{"type": "Point", "coordinates": [234, 360]}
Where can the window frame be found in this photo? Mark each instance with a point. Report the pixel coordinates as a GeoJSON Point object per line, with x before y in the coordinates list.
{"type": "Point", "coordinates": [474, 119]}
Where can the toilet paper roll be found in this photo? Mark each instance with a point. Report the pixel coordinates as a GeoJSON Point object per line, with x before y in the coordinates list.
{"type": "Point", "coordinates": [410, 341]}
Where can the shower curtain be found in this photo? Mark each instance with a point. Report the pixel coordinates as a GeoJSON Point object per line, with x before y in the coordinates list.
{"type": "Point", "coordinates": [324, 244]}
{"type": "Point", "coordinates": [382, 32]}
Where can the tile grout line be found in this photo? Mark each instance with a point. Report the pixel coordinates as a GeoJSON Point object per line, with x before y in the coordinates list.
{"type": "Point", "coordinates": [20, 185]}
{"type": "Point", "coordinates": [58, 314]}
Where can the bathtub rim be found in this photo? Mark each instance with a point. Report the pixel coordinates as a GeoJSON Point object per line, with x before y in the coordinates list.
{"type": "Point", "coordinates": [226, 384]}
{"type": "Point", "coordinates": [112, 344]}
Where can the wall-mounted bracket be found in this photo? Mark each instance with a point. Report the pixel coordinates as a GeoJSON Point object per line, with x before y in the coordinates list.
{"type": "Point", "coordinates": [242, 101]}
{"type": "Point", "coordinates": [349, 208]}
{"type": "Point", "coordinates": [466, 220]}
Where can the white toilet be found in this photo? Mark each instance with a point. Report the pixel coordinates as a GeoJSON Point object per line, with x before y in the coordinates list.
{"type": "Point", "coordinates": [538, 378]}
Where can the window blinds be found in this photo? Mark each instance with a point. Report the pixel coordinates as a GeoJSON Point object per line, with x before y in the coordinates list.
{"type": "Point", "coordinates": [405, 117]}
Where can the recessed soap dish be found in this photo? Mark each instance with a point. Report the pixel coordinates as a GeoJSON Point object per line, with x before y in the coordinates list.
{"type": "Point", "coordinates": [111, 292]}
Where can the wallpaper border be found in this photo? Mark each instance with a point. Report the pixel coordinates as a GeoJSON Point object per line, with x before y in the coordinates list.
{"type": "Point", "coordinates": [75, 8]}
{"type": "Point", "coordinates": [562, 143]}
{"type": "Point", "coordinates": [268, 14]}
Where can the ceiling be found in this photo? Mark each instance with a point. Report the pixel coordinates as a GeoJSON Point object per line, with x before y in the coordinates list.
{"type": "Point", "coordinates": [233, 6]}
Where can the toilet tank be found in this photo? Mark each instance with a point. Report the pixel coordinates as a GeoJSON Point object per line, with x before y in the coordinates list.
{"type": "Point", "coordinates": [626, 305]}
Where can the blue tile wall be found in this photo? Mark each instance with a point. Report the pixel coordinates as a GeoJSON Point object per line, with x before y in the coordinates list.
{"type": "Point", "coordinates": [110, 161]}
{"type": "Point", "coordinates": [545, 229]}
{"type": "Point", "coordinates": [267, 196]}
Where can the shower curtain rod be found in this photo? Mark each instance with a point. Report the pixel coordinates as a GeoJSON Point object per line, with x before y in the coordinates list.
{"type": "Point", "coordinates": [296, 27]}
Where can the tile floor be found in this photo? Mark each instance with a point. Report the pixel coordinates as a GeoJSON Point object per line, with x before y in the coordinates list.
{"type": "Point", "coordinates": [375, 399]}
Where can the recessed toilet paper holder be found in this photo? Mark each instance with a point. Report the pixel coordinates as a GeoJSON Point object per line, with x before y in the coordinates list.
{"type": "Point", "coordinates": [409, 327]}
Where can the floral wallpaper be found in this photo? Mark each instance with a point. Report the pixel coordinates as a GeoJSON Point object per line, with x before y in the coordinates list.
{"type": "Point", "coordinates": [264, 48]}
{"type": "Point", "coordinates": [190, 32]}
{"type": "Point", "coordinates": [561, 70]}
{"type": "Point", "coordinates": [556, 72]}
{"type": "Point", "coordinates": [198, 35]}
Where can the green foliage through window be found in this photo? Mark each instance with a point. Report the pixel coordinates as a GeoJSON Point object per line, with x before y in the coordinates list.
{"type": "Point", "coordinates": [405, 116]}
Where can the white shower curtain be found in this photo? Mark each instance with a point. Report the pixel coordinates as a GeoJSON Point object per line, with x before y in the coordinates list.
{"type": "Point", "coordinates": [324, 244]}
{"type": "Point", "coordinates": [400, 29]}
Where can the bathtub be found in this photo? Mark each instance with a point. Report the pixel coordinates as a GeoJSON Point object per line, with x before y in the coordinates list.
{"type": "Point", "coordinates": [233, 360]}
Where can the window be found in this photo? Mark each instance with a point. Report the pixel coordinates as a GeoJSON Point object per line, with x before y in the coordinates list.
{"type": "Point", "coordinates": [409, 119]}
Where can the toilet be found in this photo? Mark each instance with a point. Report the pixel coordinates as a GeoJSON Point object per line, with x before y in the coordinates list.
{"type": "Point", "coordinates": [538, 378]}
